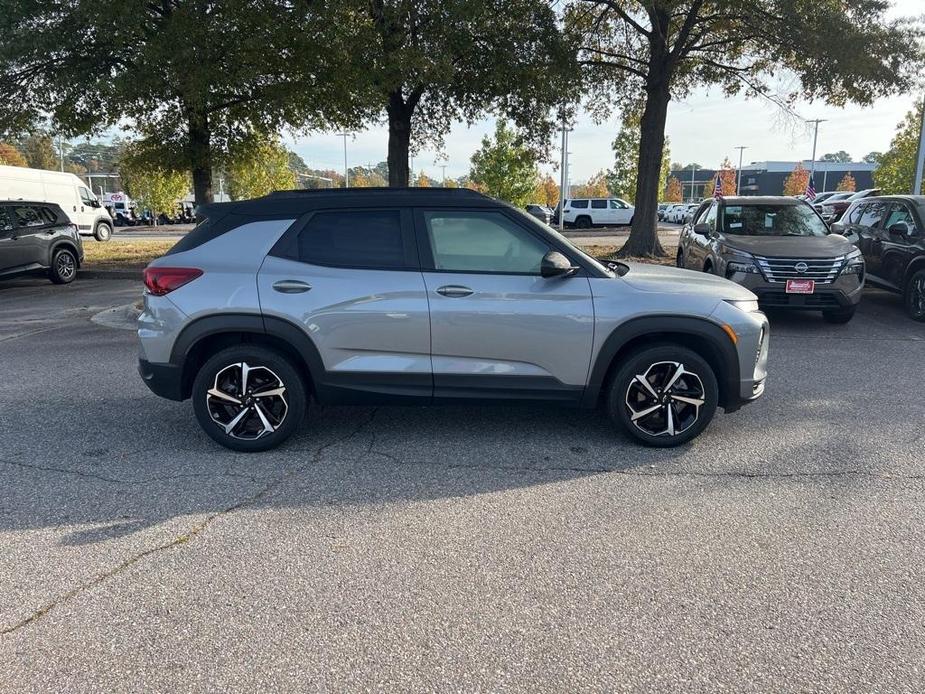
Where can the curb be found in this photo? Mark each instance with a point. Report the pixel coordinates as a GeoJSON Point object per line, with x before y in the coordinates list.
{"type": "Point", "coordinates": [93, 274]}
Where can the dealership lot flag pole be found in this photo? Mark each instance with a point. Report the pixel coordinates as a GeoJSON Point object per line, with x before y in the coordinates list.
{"type": "Point", "coordinates": [920, 159]}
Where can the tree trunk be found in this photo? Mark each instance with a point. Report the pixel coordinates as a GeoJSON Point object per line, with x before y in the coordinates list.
{"type": "Point", "coordinates": [200, 157]}
{"type": "Point", "coordinates": [643, 240]}
{"type": "Point", "coordinates": [399, 139]}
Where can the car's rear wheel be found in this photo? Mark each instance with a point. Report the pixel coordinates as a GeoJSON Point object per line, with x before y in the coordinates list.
{"type": "Point", "coordinates": [63, 268]}
{"type": "Point", "coordinates": [663, 395]}
{"type": "Point", "coordinates": [583, 222]}
{"type": "Point", "coordinates": [914, 296]}
{"type": "Point", "coordinates": [679, 261]}
{"type": "Point", "coordinates": [249, 398]}
{"type": "Point", "coordinates": [842, 315]}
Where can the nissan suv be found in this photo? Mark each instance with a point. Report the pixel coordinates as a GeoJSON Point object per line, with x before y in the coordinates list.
{"type": "Point", "coordinates": [780, 249]}
{"type": "Point", "coordinates": [38, 236]}
{"type": "Point", "coordinates": [426, 296]}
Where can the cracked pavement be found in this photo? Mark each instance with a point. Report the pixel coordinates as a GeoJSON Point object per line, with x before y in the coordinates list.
{"type": "Point", "coordinates": [468, 548]}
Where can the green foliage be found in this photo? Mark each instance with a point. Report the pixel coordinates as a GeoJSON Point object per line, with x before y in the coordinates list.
{"type": "Point", "coordinates": [841, 157]}
{"type": "Point", "coordinates": [872, 157]}
{"type": "Point", "coordinates": [10, 156]}
{"type": "Point", "coordinates": [896, 173]}
{"type": "Point", "coordinates": [155, 188]}
{"type": "Point", "coordinates": [504, 167]}
{"type": "Point", "coordinates": [622, 178]}
{"type": "Point", "coordinates": [40, 152]}
{"type": "Point", "coordinates": [258, 166]}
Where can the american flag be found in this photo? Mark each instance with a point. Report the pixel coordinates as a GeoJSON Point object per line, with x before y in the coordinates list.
{"type": "Point", "coordinates": [810, 189]}
{"type": "Point", "coordinates": [717, 186]}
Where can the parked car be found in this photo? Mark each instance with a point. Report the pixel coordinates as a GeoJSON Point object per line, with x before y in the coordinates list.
{"type": "Point", "coordinates": [585, 213]}
{"type": "Point", "coordinates": [432, 295]}
{"type": "Point", "coordinates": [689, 211]}
{"type": "Point", "coordinates": [779, 248]}
{"type": "Point", "coordinates": [833, 208]}
{"type": "Point", "coordinates": [38, 236]}
{"type": "Point", "coordinates": [662, 207]}
{"type": "Point", "coordinates": [822, 197]}
{"type": "Point", "coordinates": [81, 206]}
{"type": "Point", "coordinates": [541, 212]}
{"type": "Point", "coordinates": [890, 232]}
{"type": "Point", "coordinates": [676, 213]}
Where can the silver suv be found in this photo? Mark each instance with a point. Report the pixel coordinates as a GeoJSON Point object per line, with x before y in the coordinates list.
{"type": "Point", "coordinates": [427, 296]}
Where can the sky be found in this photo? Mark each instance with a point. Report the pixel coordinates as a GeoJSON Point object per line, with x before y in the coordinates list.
{"type": "Point", "coordinates": [703, 128]}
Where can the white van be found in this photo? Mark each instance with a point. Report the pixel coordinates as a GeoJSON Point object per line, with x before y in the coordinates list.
{"type": "Point", "coordinates": [78, 202]}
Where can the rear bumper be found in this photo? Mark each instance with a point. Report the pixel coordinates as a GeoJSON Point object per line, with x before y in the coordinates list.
{"type": "Point", "coordinates": [164, 380]}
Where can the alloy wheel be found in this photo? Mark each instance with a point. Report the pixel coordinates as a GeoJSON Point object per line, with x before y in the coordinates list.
{"type": "Point", "coordinates": [917, 298]}
{"type": "Point", "coordinates": [247, 401]}
{"type": "Point", "coordinates": [665, 400]}
{"type": "Point", "coordinates": [65, 265]}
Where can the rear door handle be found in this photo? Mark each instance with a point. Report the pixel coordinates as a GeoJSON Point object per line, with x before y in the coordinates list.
{"type": "Point", "coordinates": [454, 291]}
{"type": "Point", "coordinates": [291, 286]}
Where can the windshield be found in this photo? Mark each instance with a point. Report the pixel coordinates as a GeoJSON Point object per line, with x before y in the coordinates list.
{"type": "Point", "coordinates": [772, 220]}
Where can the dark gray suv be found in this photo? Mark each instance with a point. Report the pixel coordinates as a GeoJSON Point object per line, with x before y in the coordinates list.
{"type": "Point", "coordinates": [426, 296]}
{"type": "Point", "coordinates": [38, 236]}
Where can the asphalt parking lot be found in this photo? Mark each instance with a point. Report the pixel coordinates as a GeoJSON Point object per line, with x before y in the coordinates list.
{"type": "Point", "coordinates": [465, 549]}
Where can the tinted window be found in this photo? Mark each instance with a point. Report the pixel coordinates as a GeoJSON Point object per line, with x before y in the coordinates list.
{"type": "Point", "coordinates": [598, 204]}
{"type": "Point", "coordinates": [899, 214]}
{"type": "Point", "coordinates": [710, 217]}
{"type": "Point", "coordinates": [579, 203]}
{"type": "Point", "coordinates": [5, 221]}
{"type": "Point", "coordinates": [854, 214]}
{"type": "Point", "coordinates": [482, 242]}
{"type": "Point", "coordinates": [354, 239]}
{"type": "Point", "coordinates": [772, 220]}
{"type": "Point", "coordinates": [25, 216]}
{"type": "Point", "coordinates": [872, 214]}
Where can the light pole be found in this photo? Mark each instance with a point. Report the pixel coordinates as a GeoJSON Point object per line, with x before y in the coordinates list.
{"type": "Point", "coordinates": [693, 169]}
{"type": "Point", "coordinates": [563, 172]}
{"type": "Point", "coordinates": [346, 171]}
{"type": "Point", "coordinates": [920, 159]}
{"type": "Point", "coordinates": [443, 168]}
{"type": "Point", "coordinates": [739, 172]}
{"type": "Point", "coordinates": [817, 121]}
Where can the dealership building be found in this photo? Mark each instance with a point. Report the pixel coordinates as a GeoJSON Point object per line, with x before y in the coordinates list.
{"type": "Point", "coordinates": [767, 177]}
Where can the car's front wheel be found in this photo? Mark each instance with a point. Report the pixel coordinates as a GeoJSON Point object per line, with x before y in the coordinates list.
{"type": "Point", "coordinates": [249, 398]}
{"type": "Point", "coordinates": [914, 296]}
{"type": "Point", "coordinates": [63, 268]}
{"type": "Point", "coordinates": [663, 395]}
{"type": "Point", "coordinates": [679, 261]}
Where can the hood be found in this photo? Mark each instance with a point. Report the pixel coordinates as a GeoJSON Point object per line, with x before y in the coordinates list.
{"type": "Point", "coordinates": [790, 246]}
{"type": "Point", "coordinates": [672, 280]}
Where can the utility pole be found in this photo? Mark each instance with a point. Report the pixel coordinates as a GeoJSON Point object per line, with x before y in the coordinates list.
{"type": "Point", "coordinates": [920, 159]}
{"type": "Point", "coordinates": [739, 172]}
{"type": "Point", "coordinates": [817, 121]}
{"type": "Point", "coordinates": [693, 169]}
{"type": "Point", "coordinates": [61, 151]}
{"type": "Point", "coordinates": [443, 168]}
{"type": "Point", "coordinates": [563, 173]}
{"type": "Point", "coordinates": [345, 135]}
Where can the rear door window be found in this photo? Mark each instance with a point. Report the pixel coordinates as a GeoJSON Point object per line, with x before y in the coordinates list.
{"type": "Point", "coordinates": [899, 214]}
{"type": "Point", "coordinates": [598, 204]}
{"type": "Point", "coordinates": [359, 239]}
{"type": "Point", "coordinates": [581, 204]}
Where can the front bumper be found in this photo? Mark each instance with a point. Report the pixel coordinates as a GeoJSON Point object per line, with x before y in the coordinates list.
{"type": "Point", "coordinates": [844, 292]}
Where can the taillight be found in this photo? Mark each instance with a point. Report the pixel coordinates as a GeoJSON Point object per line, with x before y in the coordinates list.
{"type": "Point", "coordinates": [163, 280]}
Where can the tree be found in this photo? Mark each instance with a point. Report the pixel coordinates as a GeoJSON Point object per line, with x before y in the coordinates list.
{"type": "Point", "coordinates": [847, 183]}
{"type": "Point", "coordinates": [191, 76]}
{"type": "Point", "coordinates": [422, 181]}
{"type": "Point", "coordinates": [546, 191]}
{"type": "Point", "coordinates": [872, 157]}
{"type": "Point", "coordinates": [156, 188]}
{"type": "Point", "coordinates": [727, 178]}
{"type": "Point", "coordinates": [896, 173]}
{"type": "Point", "coordinates": [622, 179]}
{"type": "Point", "coordinates": [432, 62]}
{"type": "Point", "coordinates": [39, 151]}
{"type": "Point", "coordinates": [673, 191]}
{"type": "Point", "coordinates": [10, 156]}
{"type": "Point", "coordinates": [595, 187]}
{"type": "Point", "coordinates": [258, 166]}
{"type": "Point", "coordinates": [797, 182]}
{"type": "Point", "coordinates": [663, 50]}
{"type": "Point", "coordinates": [840, 157]}
{"type": "Point", "coordinates": [504, 167]}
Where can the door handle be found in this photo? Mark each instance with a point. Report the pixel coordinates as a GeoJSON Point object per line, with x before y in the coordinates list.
{"type": "Point", "coordinates": [291, 286]}
{"type": "Point", "coordinates": [454, 291]}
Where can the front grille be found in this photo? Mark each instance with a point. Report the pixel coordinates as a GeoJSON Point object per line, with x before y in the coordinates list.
{"type": "Point", "coordinates": [779, 270]}
{"type": "Point", "coordinates": [782, 299]}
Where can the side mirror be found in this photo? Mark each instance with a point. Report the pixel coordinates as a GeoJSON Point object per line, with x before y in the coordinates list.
{"type": "Point", "coordinates": [702, 229]}
{"type": "Point", "coordinates": [556, 265]}
{"type": "Point", "coordinates": [901, 229]}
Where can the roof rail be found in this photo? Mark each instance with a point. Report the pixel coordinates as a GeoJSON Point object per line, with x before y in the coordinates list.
{"type": "Point", "coordinates": [378, 190]}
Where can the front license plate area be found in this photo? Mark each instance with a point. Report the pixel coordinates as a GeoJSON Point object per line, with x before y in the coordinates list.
{"type": "Point", "coordinates": [801, 286]}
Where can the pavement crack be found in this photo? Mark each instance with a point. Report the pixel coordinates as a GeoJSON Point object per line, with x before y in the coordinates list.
{"type": "Point", "coordinates": [196, 530]}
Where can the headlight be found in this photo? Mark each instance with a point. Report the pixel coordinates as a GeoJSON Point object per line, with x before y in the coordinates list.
{"type": "Point", "coordinates": [747, 305]}
{"type": "Point", "coordinates": [854, 263]}
{"type": "Point", "coordinates": [735, 266]}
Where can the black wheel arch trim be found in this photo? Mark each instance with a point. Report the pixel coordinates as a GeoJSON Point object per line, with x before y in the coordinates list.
{"type": "Point", "coordinates": [724, 358]}
{"type": "Point", "coordinates": [66, 245]}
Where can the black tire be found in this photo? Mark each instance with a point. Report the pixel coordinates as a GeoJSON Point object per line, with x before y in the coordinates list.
{"type": "Point", "coordinates": [283, 412]}
{"type": "Point", "coordinates": [679, 261]}
{"type": "Point", "coordinates": [708, 267]}
{"type": "Point", "coordinates": [63, 268]}
{"type": "Point", "coordinates": [839, 316]}
{"type": "Point", "coordinates": [914, 296]}
{"type": "Point", "coordinates": [103, 232]}
{"type": "Point", "coordinates": [583, 222]}
{"type": "Point", "coordinates": [655, 364]}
